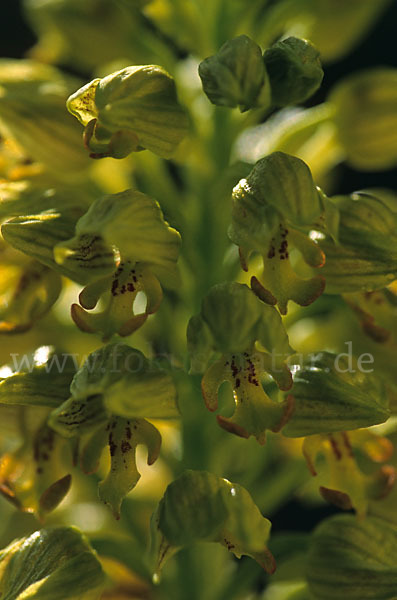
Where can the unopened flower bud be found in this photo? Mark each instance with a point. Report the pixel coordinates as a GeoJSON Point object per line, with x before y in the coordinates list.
{"type": "Point", "coordinates": [294, 70]}
{"type": "Point", "coordinates": [236, 75]}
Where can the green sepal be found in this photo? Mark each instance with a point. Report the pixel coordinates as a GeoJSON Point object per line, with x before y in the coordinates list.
{"type": "Point", "coordinates": [236, 75]}
{"type": "Point", "coordinates": [130, 110]}
{"type": "Point", "coordinates": [131, 385]}
{"type": "Point", "coordinates": [357, 558]}
{"type": "Point", "coordinates": [38, 236]}
{"type": "Point", "coordinates": [32, 112]}
{"type": "Point", "coordinates": [199, 506]}
{"type": "Point", "coordinates": [294, 71]}
{"type": "Point", "coordinates": [365, 257]}
{"type": "Point", "coordinates": [366, 118]}
{"type": "Point", "coordinates": [329, 397]}
{"type": "Point", "coordinates": [77, 416]}
{"type": "Point", "coordinates": [253, 222]}
{"type": "Point", "coordinates": [45, 382]}
{"type": "Point", "coordinates": [123, 437]}
{"type": "Point", "coordinates": [51, 564]}
{"type": "Point", "coordinates": [280, 181]}
{"type": "Point", "coordinates": [88, 257]}
{"type": "Point", "coordinates": [37, 289]}
{"type": "Point", "coordinates": [134, 223]}
{"type": "Point", "coordinates": [232, 320]}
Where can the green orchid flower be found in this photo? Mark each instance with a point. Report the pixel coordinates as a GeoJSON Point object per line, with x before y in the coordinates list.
{"type": "Point", "coordinates": [232, 320]}
{"type": "Point", "coordinates": [199, 506]}
{"type": "Point", "coordinates": [275, 208]}
{"type": "Point", "coordinates": [130, 110]}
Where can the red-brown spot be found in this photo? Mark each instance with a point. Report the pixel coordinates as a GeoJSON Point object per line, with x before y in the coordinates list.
{"type": "Point", "coordinates": [125, 446]}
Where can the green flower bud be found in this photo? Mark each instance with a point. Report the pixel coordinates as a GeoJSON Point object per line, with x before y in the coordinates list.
{"type": "Point", "coordinates": [199, 506]}
{"type": "Point", "coordinates": [236, 75]}
{"type": "Point", "coordinates": [130, 384]}
{"type": "Point", "coordinates": [329, 397]}
{"type": "Point", "coordinates": [356, 558]}
{"type": "Point", "coordinates": [130, 110]}
{"type": "Point", "coordinates": [366, 118]}
{"type": "Point", "coordinates": [55, 563]}
{"type": "Point", "coordinates": [269, 210]}
{"type": "Point", "coordinates": [232, 319]}
{"type": "Point", "coordinates": [365, 257]}
{"type": "Point", "coordinates": [32, 112]}
{"type": "Point", "coordinates": [294, 70]}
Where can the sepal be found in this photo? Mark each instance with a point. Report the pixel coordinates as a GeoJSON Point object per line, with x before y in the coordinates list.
{"type": "Point", "coordinates": [38, 236]}
{"type": "Point", "coordinates": [294, 70]}
{"type": "Point", "coordinates": [130, 384]}
{"type": "Point", "coordinates": [236, 75]}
